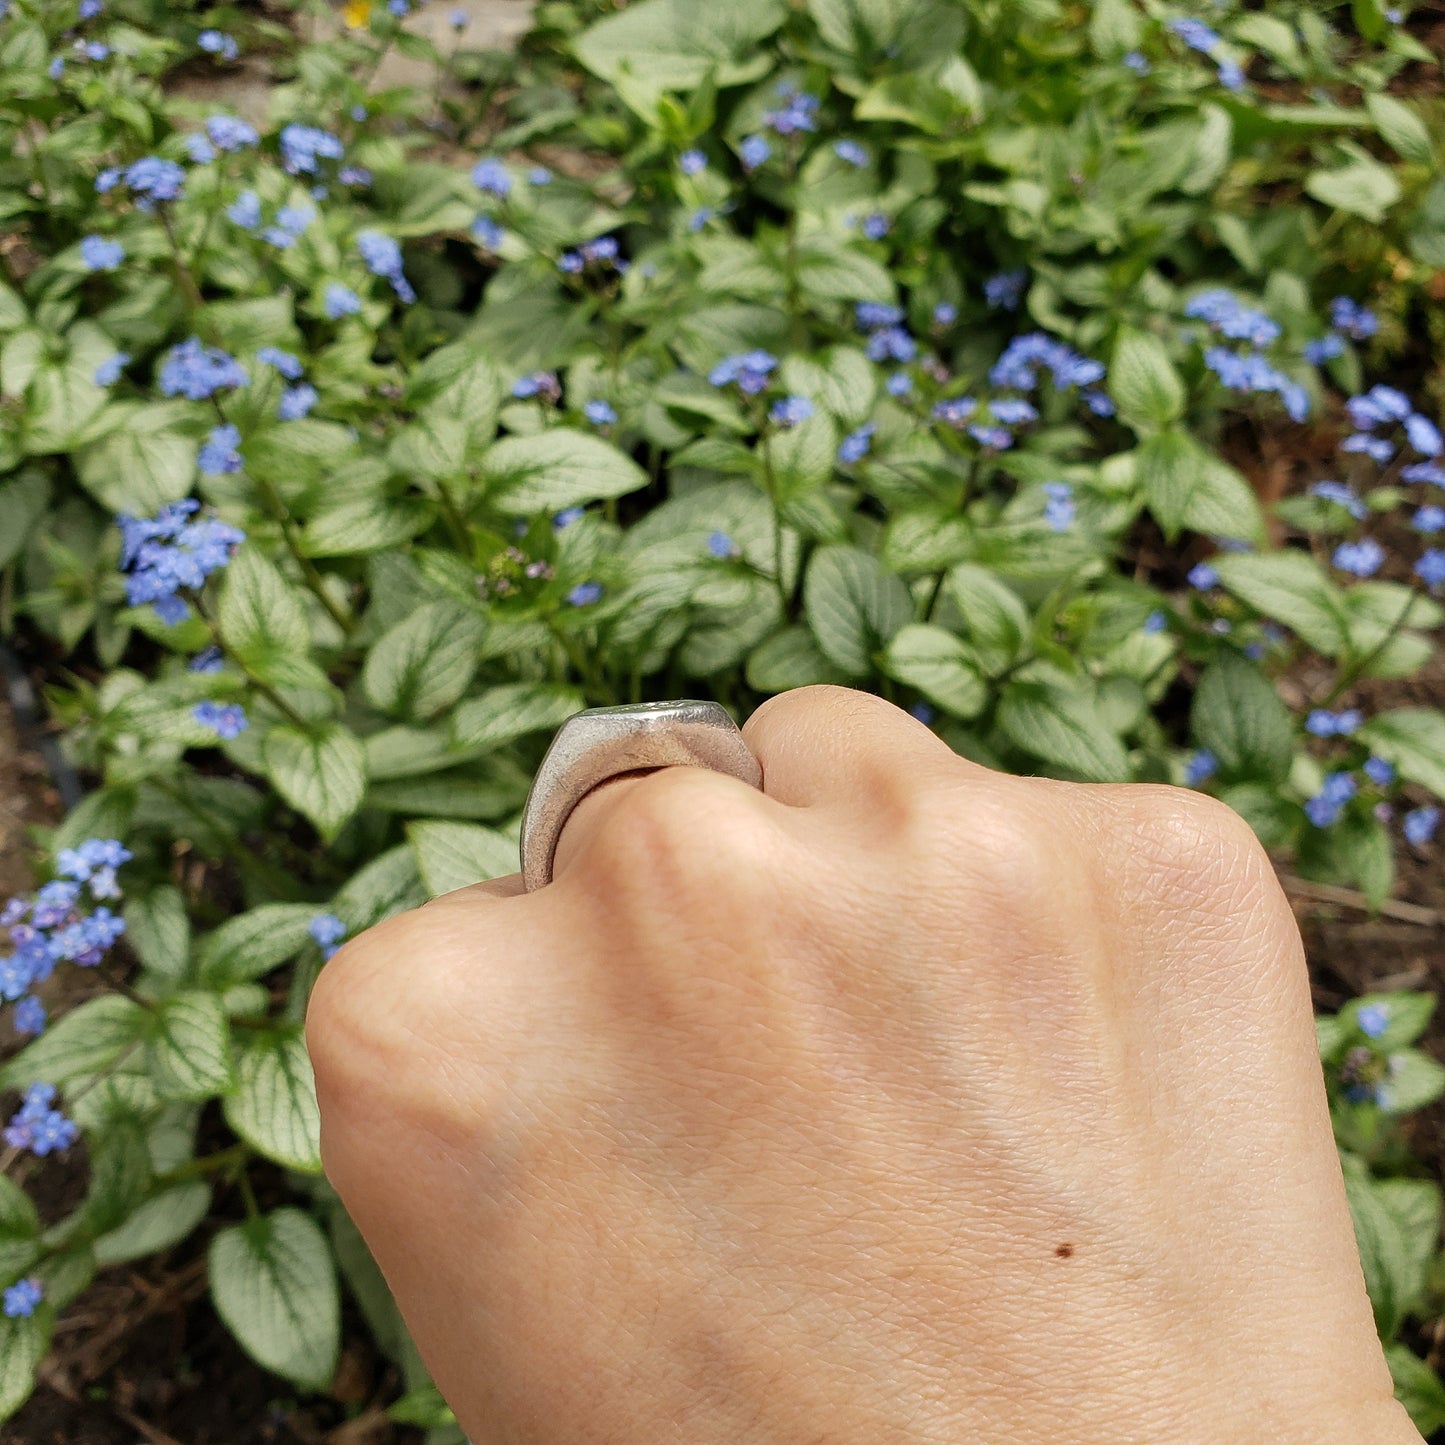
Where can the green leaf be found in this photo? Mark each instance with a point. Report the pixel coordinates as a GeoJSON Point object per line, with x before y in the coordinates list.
{"type": "Point", "coordinates": [386, 886]}
{"type": "Point", "coordinates": [1169, 467]}
{"type": "Point", "coordinates": [23, 1343]}
{"type": "Point", "coordinates": [939, 665]}
{"type": "Point", "coordinates": [1222, 503]}
{"type": "Point", "coordinates": [426, 662]}
{"type": "Point", "coordinates": [1391, 1273]}
{"type": "Point", "coordinates": [255, 942]}
{"type": "Point", "coordinates": [273, 1106]}
{"type": "Point", "coordinates": [371, 522]}
{"type": "Point", "coordinates": [1400, 126]}
{"type": "Point", "coordinates": [19, 1230]}
{"type": "Point", "coordinates": [1367, 856]}
{"type": "Point", "coordinates": [556, 469]}
{"type": "Point", "coordinates": [829, 269]}
{"type": "Point", "coordinates": [1413, 738]}
{"type": "Point", "coordinates": [840, 379]}
{"type": "Point", "coordinates": [120, 1173]}
{"type": "Point", "coordinates": [483, 724]}
{"type": "Point", "coordinates": [158, 929]}
{"type": "Point", "coordinates": [160, 1222]}
{"type": "Point", "coordinates": [259, 614]}
{"type": "Point", "coordinates": [1406, 1016]}
{"type": "Point", "coordinates": [434, 448]}
{"type": "Point", "coordinates": [273, 1281]}
{"type": "Point", "coordinates": [1292, 588]}
{"type": "Point", "coordinates": [1238, 716]}
{"type": "Point", "coordinates": [853, 606]}
{"type": "Point", "coordinates": [188, 1049]}
{"type": "Point", "coordinates": [994, 617]}
{"type": "Point", "coordinates": [1418, 1388]}
{"type": "Point", "coordinates": [1064, 729]}
{"type": "Point", "coordinates": [322, 775]}
{"type": "Point", "coordinates": [424, 1408]}
{"type": "Point", "coordinates": [453, 855]}
{"type": "Point", "coordinates": [23, 498]}
{"type": "Point", "coordinates": [789, 659]}
{"type": "Point", "coordinates": [1415, 1081]}
{"type": "Point", "coordinates": [83, 1041]}
{"type": "Point", "coordinates": [1360, 187]}
{"type": "Point", "coordinates": [1143, 382]}
{"type": "Point", "coordinates": [141, 465]}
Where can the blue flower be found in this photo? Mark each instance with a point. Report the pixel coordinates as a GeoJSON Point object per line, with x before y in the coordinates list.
{"type": "Point", "coordinates": [1326, 348]}
{"type": "Point", "coordinates": [791, 411]}
{"type": "Point", "coordinates": [1342, 496]}
{"type": "Point", "coordinates": [296, 401]}
{"type": "Point", "coordinates": [692, 162]}
{"type": "Point", "coordinates": [168, 553]}
{"type": "Point", "coordinates": [22, 1298]}
{"type": "Point", "coordinates": [91, 50]}
{"type": "Point", "coordinates": [1423, 435]}
{"type": "Point", "coordinates": [539, 383]}
{"type": "Point", "coordinates": [599, 413]}
{"type": "Point", "coordinates": [1429, 519]}
{"type": "Point", "coordinates": [207, 660]}
{"type": "Point", "coordinates": [217, 42]}
{"type": "Point", "coordinates": [290, 223]}
{"type": "Point", "coordinates": [700, 218]}
{"type": "Point", "coordinates": [1373, 1019]}
{"type": "Point", "coordinates": [42, 1130]}
{"type": "Point", "coordinates": [945, 313]}
{"type": "Point", "coordinates": [109, 179]}
{"type": "Point", "coordinates": [304, 147]}
{"type": "Point", "coordinates": [488, 233]}
{"type": "Point", "coordinates": [1326, 805]}
{"type": "Point", "coordinates": [1430, 569]}
{"type": "Point", "coordinates": [1379, 772]}
{"type": "Point", "coordinates": [93, 863]}
{"type": "Point", "coordinates": [1231, 75]}
{"type": "Point", "coordinates": [1200, 767]}
{"type": "Point", "coordinates": [199, 149]}
{"type": "Point", "coordinates": [748, 371]}
{"type": "Point", "coordinates": [197, 371]}
{"type": "Point", "coordinates": [1156, 621]}
{"type": "Point", "coordinates": [153, 179]}
{"type": "Point", "coordinates": [1374, 447]}
{"type": "Point", "coordinates": [722, 546]}
{"type": "Point", "coordinates": [754, 151]}
{"type": "Point", "coordinates": [245, 210]}
{"type": "Point", "coordinates": [1202, 577]}
{"type": "Point", "coordinates": [230, 132]}
{"type": "Point", "coordinates": [923, 713]}
{"type": "Point", "coordinates": [857, 444]}
{"type": "Point", "coordinates": [799, 114]}
{"type": "Point", "coordinates": [1098, 402]}
{"type": "Point", "coordinates": [340, 301]}
{"type": "Point", "coordinates": [1356, 321]}
{"type": "Point", "coordinates": [1424, 472]}
{"type": "Point", "coordinates": [89, 9]}
{"type": "Point", "coordinates": [1005, 291]}
{"type": "Point", "coordinates": [892, 343]}
{"type": "Point", "coordinates": [348, 176]}
{"type": "Point", "coordinates": [458, 19]}
{"type": "Point", "coordinates": [382, 257]}
{"type": "Point", "coordinates": [539, 176]}
{"type": "Point", "coordinates": [228, 719]}
{"type": "Point", "coordinates": [1419, 825]}
{"type": "Point", "coordinates": [876, 225]}
{"type": "Point", "coordinates": [221, 452]}
{"type": "Point", "coordinates": [900, 384]}
{"type": "Point", "coordinates": [1323, 723]}
{"type": "Point", "coordinates": [30, 1016]}
{"type": "Point", "coordinates": [288, 365]}
{"type": "Point", "coordinates": [1137, 62]}
{"type": "Point", "coordinates": [399, 8]}
{"type": "Point", "coordinates": [491, 177]}
{"type": "Point", "coordinates": [877, 315]}
{"type": "Point", "coordinates": [1060, 509]}
{"type": "Point", "coordinates": [1380, 406]}
{"type": "Point", "coordinates": [997, 437]}
{"type": "Point", "coordinates": [567, 516]}
{"type": "Point", "coordinates": [1229, 316]}
{"type": "Point", "coordinates": [56, 68]}
{"type": "Point", "coordinates": [328, 931]}
{"type": "Point", "coordinates": [1012, 411]}
{"type": "Point", "coordinates": [1195, 34]}
{"type": "Point", "coordinates": [1022, 359]}
{"type": "Point", "coordinates": [1363, 558]}
{"type": "Point", "coordinates": [851, 152]}
{"type": "Point", "coordinates": [584, 594]}
{"type": "Point", "coordinates": [955, 411]}
{"type": "Point", "coordinates": [109, 370]}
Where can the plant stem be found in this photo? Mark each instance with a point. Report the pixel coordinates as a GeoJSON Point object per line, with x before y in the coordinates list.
{"type": "Point", "coordinates": [933, 597]}
{"type": "Point", "coordinates": [309, 569]}
{"type": "Point", "coordinates": [591, 677]}
{"type": "Point", "coordinates": [453, 517]}
{"type": "Point", "coordinates": [187, 282]}
{"type": "Point", "coordinates": [1351, 673]}
{"type": "Point", "coordinates": [770, 481]}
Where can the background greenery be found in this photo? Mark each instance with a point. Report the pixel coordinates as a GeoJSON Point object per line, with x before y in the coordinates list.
{"type": "Point", "coordinates": [519, 476]}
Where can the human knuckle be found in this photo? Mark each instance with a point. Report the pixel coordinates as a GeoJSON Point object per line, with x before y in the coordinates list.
{"type": "Point", "coordinates": [1194, 844]}
{"type": "Point", "coordinates": [995, 841]}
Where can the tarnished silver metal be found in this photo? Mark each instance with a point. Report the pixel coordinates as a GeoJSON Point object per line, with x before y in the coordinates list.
{"type": "Point", "coordinates": [606, 742]}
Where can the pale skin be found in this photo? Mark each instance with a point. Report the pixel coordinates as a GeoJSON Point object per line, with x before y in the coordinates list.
{"type": "Point", "coordinates": [904, 1101]}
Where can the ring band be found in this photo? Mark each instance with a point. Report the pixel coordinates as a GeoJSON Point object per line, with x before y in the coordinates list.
{"type": "Point", "coordinates": [606, 742]}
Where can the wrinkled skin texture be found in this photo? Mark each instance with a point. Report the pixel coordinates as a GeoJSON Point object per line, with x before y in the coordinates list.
{"type": "Point", "coordinates": [905, 1101]}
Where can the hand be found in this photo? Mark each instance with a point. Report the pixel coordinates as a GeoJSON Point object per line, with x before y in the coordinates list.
{"type": "Point", "coordinates": [904, 1102]}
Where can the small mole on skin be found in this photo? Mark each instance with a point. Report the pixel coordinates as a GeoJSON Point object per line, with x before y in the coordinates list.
{"type": "Point", "coordinates": [1065, 1251]}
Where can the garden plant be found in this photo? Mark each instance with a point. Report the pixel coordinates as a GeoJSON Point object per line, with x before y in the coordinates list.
{"type": "Point", "coordinates": [933, 347]}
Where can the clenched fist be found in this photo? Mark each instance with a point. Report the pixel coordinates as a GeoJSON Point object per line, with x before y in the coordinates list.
{"type": "Point", "coordinates": [902, 1102]}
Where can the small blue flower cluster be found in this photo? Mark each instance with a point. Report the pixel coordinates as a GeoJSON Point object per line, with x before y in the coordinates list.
{"type": "Point", "coordinates": [339, 301]}
{"type": "Point", "coordinates": [692, 162]}
{"type": "Point", "coordinates": [1347, 319]}
{"type": "Point", "coordinates": [221, 452]}
{"type": "Point", "coordinates": [109, 370]}
{"type": "Point", "coordinates": [721, 546]}
{"type": "Point", "coordinates": [23, 1298]}
{"type": "Point", "coordinates": [197, 371]}
{"type": "Point", "coordinates": [304, 147]}
{"type": "Point", "coordinates": [1005, 291]}
{"type": "Point", "coordinates": [1342, 496]}
{"type": "Point", "coordinates": [1199, 767]}
{"type": "Point", "coordinates": [541, 384]}
{"type": "Point", "coordinates": [600, 413]}
{"type": "Point", "coordinates": [289, 226]}
{"type": "Point", "coordinates": [1322, 723]}
{"type": "Point", "coordinates": [38, 1127]}
{"type": "Point", "coordinates": [1360, 559]}
{"type": "Point", "coordinates": [851, 153]}
{"type": "Point", "coordinates": [1059, 507]}
{"type": "Point", "coordinates": [1025, 356]}
{"type": "Point", "coordinates": [603, 254]}
{"type": "Point", "coordinates": [1420, 824]}
{"type": "Point", "coordinates": [217, 42]}
{"type": "Point", "coordinates": [228, 720]}
{"type": "Point", "coordinates": [584, 594]}
{"type": "Point", "coordinates": [1326, 806]}
{"type": "Point", "coordinates": [749, 371]}
{"type": "Point", "coordinates": [382, 257]}
{"type": "Point", "coordinates": [1226, 314]}
{"type": "Point", "coordinates": [754, 151]}
{"type": "Point", "coordinates": [165, 554]}
{"type": "Point", "coordinates": [799, 113]}
{"type": "Point", "coordinates": [492, 178]}
{"type": "Point", "coordinates": [327, 930]}
{"type": "Point", "coordinates": [791, 411]}
{"type": "Point", "coordinates": [488, 233]}
{"type": "Point", "coordinates": [1245, 370]}
{"type": "Point", "coordinates": [1198, 36]}
{"type": "Point", "coordinates": [857, 444]}
{"type": "Point", "coordinates": [99, 254]}
{"type": "Point", "coordinates": [1386, 407]}
{"type": "Point", "coordinates": [150, 180]}
{"type": "Point", "coordinates": [888, 339]}
{"type": "Point", "coordinates": [296, 401]}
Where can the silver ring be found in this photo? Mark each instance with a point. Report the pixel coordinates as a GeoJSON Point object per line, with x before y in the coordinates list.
{"type": "Point", "coordinates": [606, 742]}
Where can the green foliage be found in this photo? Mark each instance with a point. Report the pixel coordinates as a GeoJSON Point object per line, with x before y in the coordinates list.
{"type": "Point", "coordinates": [981, 264]}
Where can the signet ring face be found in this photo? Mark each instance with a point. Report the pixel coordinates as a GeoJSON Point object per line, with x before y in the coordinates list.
{"type": "Point", "coordinates": [606, 742]}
